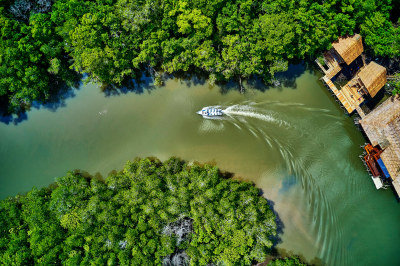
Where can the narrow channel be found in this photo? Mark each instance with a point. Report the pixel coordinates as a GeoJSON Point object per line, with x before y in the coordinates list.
{"type": "Point", "coordinates": [293, 141]}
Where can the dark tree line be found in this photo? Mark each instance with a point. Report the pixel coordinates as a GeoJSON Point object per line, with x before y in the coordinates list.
{"type": "Point", "coordinates": [113, 40]}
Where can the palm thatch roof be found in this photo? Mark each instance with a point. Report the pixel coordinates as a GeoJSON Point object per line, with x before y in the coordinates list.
{"type": "Point", "coordinates": [373, 77]}
{"type": "Point", "coordinates": [349, 47]}
{"type": "Point", "coordinates": [382, 127]}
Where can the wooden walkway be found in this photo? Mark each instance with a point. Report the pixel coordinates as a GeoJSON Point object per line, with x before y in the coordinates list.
{"type": "Point", "coordinates": [343, 98]}
{"type": "Point", "coordinates": [360, 112]}
{"type": "Point", "coordinates": [332, 63]}
{"type": "Point", "coordinates": [348, 96]}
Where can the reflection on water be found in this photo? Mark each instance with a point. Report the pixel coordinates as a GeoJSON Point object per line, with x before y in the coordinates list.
{"type": "Point", "coordinates": [295, 143]}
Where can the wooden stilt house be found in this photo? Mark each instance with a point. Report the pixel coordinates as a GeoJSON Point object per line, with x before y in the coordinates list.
{"type": "Point", "coordinates": [344, 51]}
{"type": "Point", "coordinates": [348, 48]}
{"type": "Point", "coordinates": [368, 81]}
{"type": "Point", "coordinates": [382, 126]}
{"type": "Point", "coordinates": [372, 78]}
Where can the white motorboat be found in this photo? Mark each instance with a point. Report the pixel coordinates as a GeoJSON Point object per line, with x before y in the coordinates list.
{"type": "Point", "coordinates": [210, 112]}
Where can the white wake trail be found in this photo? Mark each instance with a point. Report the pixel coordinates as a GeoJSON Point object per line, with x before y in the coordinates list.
{"type": "Point", "coordinates": [247, 111]}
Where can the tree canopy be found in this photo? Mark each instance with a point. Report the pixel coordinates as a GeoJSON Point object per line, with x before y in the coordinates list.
{"type": "Point", "coordinates": [32, 59]}
{"type": "Point", "coordinates": [148, 213]}
{"type": "Point", "coordinates": [113, 40]}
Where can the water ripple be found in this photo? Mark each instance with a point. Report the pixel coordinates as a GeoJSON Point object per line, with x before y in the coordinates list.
{"type": "Point", "coordinates": [296, 139]}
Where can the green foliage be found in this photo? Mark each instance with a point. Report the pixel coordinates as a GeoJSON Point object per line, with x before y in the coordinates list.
{"type": "Point", "coordinates": [30, 57]}
{"type": "Point", "coordinates": [146, 214]}
{"type": "Point", "coordinates": [113, 40]}
{"type": "Point", "coordinates": [14, 245]}
{"type": "Point", "coordinates": [381, 36]}
{"type": "Point", "coordinates": [394, 84]}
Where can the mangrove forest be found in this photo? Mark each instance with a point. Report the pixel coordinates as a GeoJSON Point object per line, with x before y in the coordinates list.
{"type": "Point", "coordinates": [44, 44]}
{"type": "Point", "coordinates": [149, 213]}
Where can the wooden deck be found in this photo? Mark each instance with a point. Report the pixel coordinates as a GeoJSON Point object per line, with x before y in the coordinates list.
{"type": "Point", "coordinates": [333, 64]}
{"type": "Point", "coordinates": [348, 96]}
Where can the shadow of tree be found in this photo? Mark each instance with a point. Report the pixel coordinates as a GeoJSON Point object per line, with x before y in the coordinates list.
{"type": "Point", "coordinates": [58, 95]}
{"type": "Point", "coordinates": [59, 92]}
{"type": "Point", "coordinates": [7, 119]}
{"type": "Point", "coordinates": [279, 224]}
{"type": "Point", "coordinates": [189, 78]}
{"type": "Point", "coordinates": [286, 79]}
{"type": "Point", "coordinates": [227, 86]}
{"type": "Point", "coordinates": [137, 85]}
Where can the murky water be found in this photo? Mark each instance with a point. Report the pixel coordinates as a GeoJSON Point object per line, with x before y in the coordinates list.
{"type": "Point", "coordinates": [294, 142]}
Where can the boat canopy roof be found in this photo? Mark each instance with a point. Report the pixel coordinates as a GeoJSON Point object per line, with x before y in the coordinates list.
{"type": "Point", "coordinates": [383, 167]}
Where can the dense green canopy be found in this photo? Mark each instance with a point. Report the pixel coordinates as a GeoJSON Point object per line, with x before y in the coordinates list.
{"type": "Point", "coordinates": [148, 213]}
{"type": "Point", "coordinates": [112, 40]}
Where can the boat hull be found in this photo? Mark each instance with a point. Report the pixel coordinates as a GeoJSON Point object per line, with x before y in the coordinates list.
{"type": "Point", "coordinates": [210, 112]}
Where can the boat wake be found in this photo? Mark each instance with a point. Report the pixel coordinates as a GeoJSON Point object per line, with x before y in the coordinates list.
{"type": "Point", "coordinates": [253, 112]}
{"type": "Point", "coordinates": [298, 134]}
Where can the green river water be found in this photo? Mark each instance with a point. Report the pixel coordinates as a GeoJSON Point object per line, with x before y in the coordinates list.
{"type": "Point", "coordinates": [293, 141]}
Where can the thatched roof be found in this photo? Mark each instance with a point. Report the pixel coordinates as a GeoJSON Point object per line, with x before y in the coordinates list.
{"type": "Point", "coordinates": [373, 77]}
{"type": "Point", "coordinates": [381, 117]}
{"type": "Point", "coordinates": [349, 47]}
{"type": "Point", "coordinates": [382, 127]}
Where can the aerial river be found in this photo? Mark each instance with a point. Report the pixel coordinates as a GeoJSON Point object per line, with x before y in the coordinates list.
{"type": "Point", "coordinates": [293, 141]}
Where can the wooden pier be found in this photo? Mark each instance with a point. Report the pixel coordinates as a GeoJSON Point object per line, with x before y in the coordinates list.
{"type": "Point", "coordinates": [348, 96]}
{"type": "Point", "coordinates": [332, 62]}
{"type": "Point", "coordinates": [339, 95]}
